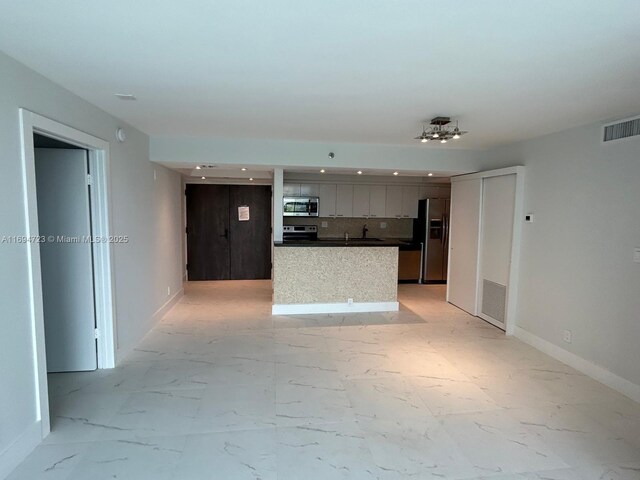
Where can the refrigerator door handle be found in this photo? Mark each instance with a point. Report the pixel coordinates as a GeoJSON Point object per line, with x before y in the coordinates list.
{"type": "Point", "coordinates": [421, 262]}
{"type": "Point", "coordinates": [445, 232]}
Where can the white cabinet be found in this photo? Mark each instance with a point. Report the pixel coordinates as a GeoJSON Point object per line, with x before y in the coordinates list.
{"type": "Point", "coordinates": [344, 201]}
{"type": "Point", "coordinates": [377, 201]}
{"type": "Point", "coordinates": [291, 189]}
{"type": "Point", "coordinates": [327, 194]}
{"type": "Point", "coordinates": [393, 202]}
{"type": "Point", "coordinates": [310, 189]}
{"type": "Point", "coordinates": [361, 200]}
{"type": "Point", "coordinates": [410, 197]}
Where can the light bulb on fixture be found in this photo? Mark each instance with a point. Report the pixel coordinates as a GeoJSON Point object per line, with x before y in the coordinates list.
{"type": "Point", "coordinates": [456, 136]}
{"type": "Point", "coordinates": [395, 173]}
{"type": "Point", "coordinates": [251, 179]}
{"type": "Point", "coordinates": [443, 141]}
{"type": "Point", "coordinates": [429, 174]}
{"type": "Point", "coordinates": [322, 171]}
{"type": "Point", "coordinates": [435, 135]}
{"type": "Point", "coordinates": [203, 178]}
{"type": "Point", "coordinates": [359, 172]}
{"type": "Point", "coordinates": [198, 167]}
{"type": "Point", "coordinates": [243, 169]}
{"type": "Point", "coordinates": [424, 140]}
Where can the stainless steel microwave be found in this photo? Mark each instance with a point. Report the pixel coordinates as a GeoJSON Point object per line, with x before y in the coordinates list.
{"type": "Point", "coordinates": [300, 206]}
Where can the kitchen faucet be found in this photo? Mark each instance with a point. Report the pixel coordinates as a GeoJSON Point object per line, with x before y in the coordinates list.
{"type": "Point", "coordinates": [364, 231]}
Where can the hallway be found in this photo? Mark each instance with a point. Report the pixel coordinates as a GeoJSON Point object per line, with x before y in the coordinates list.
{"type": "Point", "coordinates": [221, 389]}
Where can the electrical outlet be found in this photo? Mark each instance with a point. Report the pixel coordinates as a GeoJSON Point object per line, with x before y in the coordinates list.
{"type": "Point", "coordinates": [383, 224]}
{"type": "Point", "coordinates": [566, 336]}
{"type": "Point", "coordinates": [350, 302]}
{"type": "Point", "coordinates": [168, 291]}
{"type": "Point", "coordinates": [324, 224]}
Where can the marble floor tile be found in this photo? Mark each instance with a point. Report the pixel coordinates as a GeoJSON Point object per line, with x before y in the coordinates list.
{"type": "Point", "coordinates": [336, 451]}
{"type": "Point", "coordinates": [241, 455]}
{"type": "Point", "coordinates": [416, 447]}
{"type": "Point", "coordinates": [221, 389]}
{"type": "Point", "coordinates": [495, 443]}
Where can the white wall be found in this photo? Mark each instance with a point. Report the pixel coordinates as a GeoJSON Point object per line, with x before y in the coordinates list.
{"type": "Point", "coordinates": [576, 262]}
{"type": "Point", "coordinates": [147, 210]}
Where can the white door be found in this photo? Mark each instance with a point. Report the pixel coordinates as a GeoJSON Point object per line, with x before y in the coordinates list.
{"type": "Point", "coordinates": [361, 200]}
{"type": "Point", "coordinates": [344, 201]}
{"type": "Point", "coordinates": [66, 259]}
{"type": "Point", "coordinates": [327, 200]}
{"type": "Point", "coordinates": [464, 229]}
{"type": "Point", "coordinates": [393, 205]}
{"type": "Point", "coordinates": [377, 201]}
{"type": "Point", "coordinates": [498, 200]}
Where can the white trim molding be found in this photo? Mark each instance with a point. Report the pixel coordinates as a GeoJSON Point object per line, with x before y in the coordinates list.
{"type": "Point", "coordinates": [31, 123]}
{"type": "Point", "coordinates": [15, 453]}
{"type": "Point", "coordinates": [592, 370]}
{"type": "Point", "coordinates": [305, 308]}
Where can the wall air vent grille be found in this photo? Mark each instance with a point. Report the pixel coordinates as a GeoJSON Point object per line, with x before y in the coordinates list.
{"type": "Point", "coordinates": [494, 300]}
{"type": "Point", "coordinates": [617, 131]}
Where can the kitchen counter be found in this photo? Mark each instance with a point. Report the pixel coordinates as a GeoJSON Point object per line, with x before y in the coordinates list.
{"type": "Point", "coordinates": [352, 242]}
{"type": "Point", "coordinates": [335, 276]}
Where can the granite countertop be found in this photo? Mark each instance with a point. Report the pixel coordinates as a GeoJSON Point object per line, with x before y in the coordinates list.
{"type": "Point", "coordinates": [352, 242]}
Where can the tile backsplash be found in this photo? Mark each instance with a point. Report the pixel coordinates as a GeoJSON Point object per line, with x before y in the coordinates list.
{"type": "Point", "coordinates": [336, 227]}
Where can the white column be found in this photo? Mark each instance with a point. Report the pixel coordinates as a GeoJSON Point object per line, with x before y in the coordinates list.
{"type": "Point", "coordinates": [278, 186]}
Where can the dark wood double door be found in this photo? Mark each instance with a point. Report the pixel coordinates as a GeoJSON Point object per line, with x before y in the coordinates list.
{"type": "Point", "coordinates": [219, 245]}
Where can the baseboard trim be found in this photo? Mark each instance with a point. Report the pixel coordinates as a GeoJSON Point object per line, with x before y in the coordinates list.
{"type": "Point", "coordinates": [121, 353]}
{"type": "Point", "coordinates": [302, 308]}
{"type": "Point", "coordinates": [15, 453]}
{"type": "Point", "coordinates": [592, 370]}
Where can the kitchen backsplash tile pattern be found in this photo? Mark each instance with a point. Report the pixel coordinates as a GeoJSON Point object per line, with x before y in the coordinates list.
{"type": "Point", "coordinates": [336, 227]}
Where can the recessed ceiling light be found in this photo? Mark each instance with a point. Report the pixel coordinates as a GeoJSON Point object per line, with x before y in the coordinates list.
{"type": "Point", "coordinates": [322, 171]}
{"type": "Point", "coordinates": [359, 172]}
{"type": "Point", "coordinates": [243, 169]}
{"type": "Point", "coordinates": [203, 178]}
{"type": "Point", "coordinates": [198, 167]}
{"type": "Point", "coordinates": [125, 96]}
{"type": "Point", "coordinates": [429, 174]}
{"type": "Point", "coordinates": [251, 179]}
{"type": "Point", "coordinates": [395, 173]}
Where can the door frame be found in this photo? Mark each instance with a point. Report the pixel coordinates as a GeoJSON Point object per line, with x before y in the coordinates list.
{"type": "Point", "coordinates": [514, 267]}
{"type": "Point", "coordinates": [98, 153]}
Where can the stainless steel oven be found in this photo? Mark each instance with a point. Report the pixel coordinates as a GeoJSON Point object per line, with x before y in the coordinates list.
{"type": "Point", "coordinates": [300, 206]}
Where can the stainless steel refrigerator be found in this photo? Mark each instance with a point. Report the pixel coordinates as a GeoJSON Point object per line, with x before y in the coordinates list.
{"type": "Point", "coordinates": [431, 229]}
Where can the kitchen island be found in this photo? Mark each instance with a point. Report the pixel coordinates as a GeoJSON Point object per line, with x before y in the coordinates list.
{"type": "Point", "coordinates": [335, 276]}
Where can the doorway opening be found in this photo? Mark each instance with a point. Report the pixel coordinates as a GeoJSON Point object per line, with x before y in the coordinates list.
{"type": "Point", "coordinates": [65, 182]}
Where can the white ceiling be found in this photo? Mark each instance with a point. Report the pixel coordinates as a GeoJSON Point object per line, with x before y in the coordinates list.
{"type": "Point", "coordinates": [338, 70]}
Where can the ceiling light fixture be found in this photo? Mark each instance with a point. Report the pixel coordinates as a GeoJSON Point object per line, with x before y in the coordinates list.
{"type": "Point", "coordinates": [243, 169]}
{"type": "Point", "coordinates": [359, 172]}
{"type": "Point", "coordinates": [251, 179]}
{"type": "Point", "coordinates": [439, 128]}
{"type": "Point", "coordinates": [395, 173]}
{"type": "Point", "coordinates": [198, 167]}
{"type": "Point", "coordinates": [322, 171]}
{"type": "Point", "coordinates": [203, 178]}
{"type": "Point", "coordinates": [429, 174]}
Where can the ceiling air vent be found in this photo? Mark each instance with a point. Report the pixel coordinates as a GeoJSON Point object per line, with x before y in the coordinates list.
{"type": "Point", "coordinates": [619, 130]}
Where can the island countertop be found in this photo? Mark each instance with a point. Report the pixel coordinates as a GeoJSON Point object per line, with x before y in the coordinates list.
{"type": "Point", "coordinates": [352, 242]}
